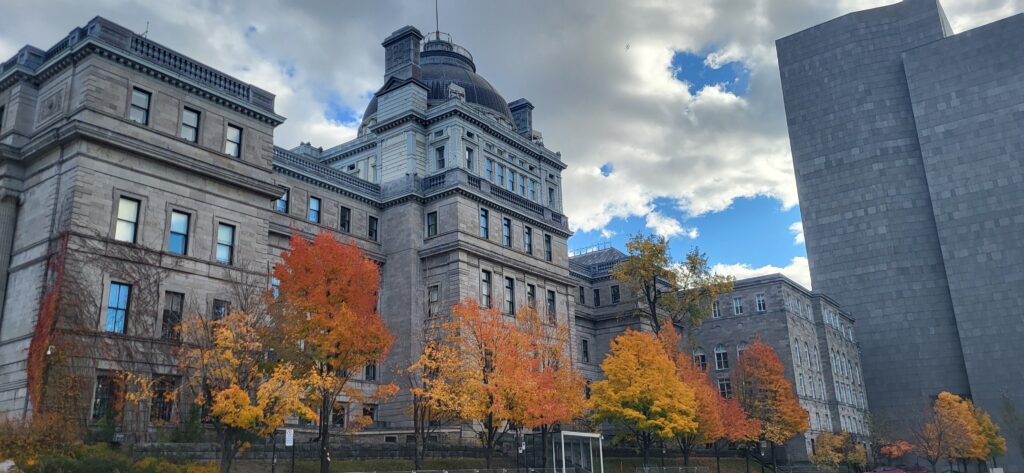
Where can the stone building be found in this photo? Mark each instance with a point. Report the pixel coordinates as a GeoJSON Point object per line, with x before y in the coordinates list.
{"type": "Point", "coordinates": [907, 143]}
{"type": "Point", "coordinates": [159, 176]}
{"type": "Point", "coordinates": [811, 333]}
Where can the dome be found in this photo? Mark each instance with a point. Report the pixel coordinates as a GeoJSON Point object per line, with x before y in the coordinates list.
{"type": "Point", "coordinates": [442, 63]}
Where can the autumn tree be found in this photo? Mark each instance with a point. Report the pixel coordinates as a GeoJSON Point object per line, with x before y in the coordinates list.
{"type": "Point", "coordinates": [895, 450]}
{"type": "Point", "coordinates": [428, 412]}
{"type": "Point", "coordinates": [679, 294]}
{"type": "Point", "coordinates": [641, 393]}
{"type": "Point", "coordinates": [828, 451]}
{"type": "Point", "coordinates": [224, 362]}
{"type": "Point", "coordinates": [737, 427]}
{"type": "Point", "coordinates": [986, 443]}
{"type": "Point", "coordinates": [328, 326]}
{"type": "Point", "coordinates": [708, 400]}
{"type": "Point", "coordinates": [949, 430]}
{"type": "Point", "coordinates": [768, 396]}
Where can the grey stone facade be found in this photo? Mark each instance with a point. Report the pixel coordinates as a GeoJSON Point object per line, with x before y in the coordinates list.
{"type": "Point", "coordinates": [811, 333]}
{"type": "Point", "coordinates": [409, 190]}
{"type": "Point", "coordinates": [907, 146]}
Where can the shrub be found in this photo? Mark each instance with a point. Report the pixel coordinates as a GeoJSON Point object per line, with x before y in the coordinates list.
{"type": "Point", "coordinates": [82, 459]}
{"type": "Point", "coordinates": [25, 440]}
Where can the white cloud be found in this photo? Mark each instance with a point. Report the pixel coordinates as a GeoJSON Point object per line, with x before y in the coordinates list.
{"type": "Point", "coordinates": [668, 227]}
{"type": "Point", "coordinates": [607, 234]}
{"type": "Point", "coordinates": [797, 229]}
{"type": "Point", "coordinates": [796, 270]}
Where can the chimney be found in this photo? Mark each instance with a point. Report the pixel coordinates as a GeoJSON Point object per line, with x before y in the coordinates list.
{"type": "Point", "coordinates": [402, 54]}
{"type": "Point", "coordinates": [522, 116]}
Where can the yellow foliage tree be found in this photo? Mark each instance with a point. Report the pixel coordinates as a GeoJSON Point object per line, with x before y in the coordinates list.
{"type": "Point", "coordinates": [670, 293]}
{"type": "Point", "coordinates": [225, 365]}
{"type": "Point", "coordinates": [828, 451]}
{"type": "Point", "coordinates": [950, 430]}
{"type": "Point", "coordinates": [641, 393]}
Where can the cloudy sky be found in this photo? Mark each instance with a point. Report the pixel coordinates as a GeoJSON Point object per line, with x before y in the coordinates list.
{"type": "Point", "coordinates": [669, 113]}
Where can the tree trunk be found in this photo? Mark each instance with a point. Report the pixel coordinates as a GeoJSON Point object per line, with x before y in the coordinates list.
{"type": "Point", "coordinates": [325, 434]}
{"type": "Point", "coordinates": [718, 458]}
{"type": "Point", "coordinates": [418, 433]}
{"type": "Point", "coordinates": [544, 446]}
{"type": "Point", "coordinates": [227, 452]}
{"type": "Point", "coordinates": [746, 459]}
{"type": "Point", "coordinates": [642, 438]}
{"type": "Point", "coordinates": [775, 465]}
{"type": "Point", "coordinates": [935, 465]}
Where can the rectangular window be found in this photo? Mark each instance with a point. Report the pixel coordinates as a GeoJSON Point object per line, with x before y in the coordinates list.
{"type": "Point", "coordinates": [281, 204]}
{"type": "Point", "coordinates": [552, 312]}
{"type": "Point", "coordinates": [2, 109]}
{"type": "Point", "coordinates": [583, 296]}
{"type": "Point", "coordinates": [127, 219]}
{"type": "Point", "coordinates": [275, 287]}
{"type": "Point", "coordinates": [528, 239]}
{"type": "Point", "coordinates": [510, 296]}
{"type": "Point", "coordinates": [551, 195]}
{"type": "Point", "coordinates": [725, 388]}
{"type": "Point", "coordinates": [506, 232]}
{"type": "Point", "coordinates": [511, 180]}
{"type": "Point", "coordinates": [345, 219]}
{"type": "Point", "coordinates": [737, 306]}
{"type": "Point", "coordinates": [371, 228]}
{"type": "Point", "coordinates": [313, 214]}
{"type": "Point", "coordinates": [221, 309]}
{"type": "Point", "coordinates": [489, 170]}
{"type": "Point", "coordinates": [370, 410]}
{"type": "Point", "coordinates": [433, 300]}
{"type": "Point", "coordinates": [522, 185]}
{"type": "Point", "coordinates": [484, 224]}
{"type": "Point", "coordinates": [597, 298]}
{"type": "Point", "coordinates": [531, 295]}
{"type": "Point", "coordinates": [338, 414]}
{"type": "Point", "coordinates": [485, 288]}
{"type": "Point", "coordinates": [761, 304]}
{"type": "Point", "coordinates": [700, 360]}
{"type": "Point", "coordinates": [615, 294]}
{"type": "Point", "coordinates": [585, 350]}
{"type": "Point", "coordinates": [190, 125]}
{"type": "Point", "coordinates": [439, 157]}
{"type": "Point", "coordinates": [106, 402]}
{"type": "Point", "coordinates": [501, 175]}
{"type": "Point", "coordinates": [177, 242]}
{"type": "Point", "coordinates": [469, 159]}
{"type": "Point", "coordinates": [547, 248]}
{"type": "Point", "coordinates": [233, 141]}
{"type": "Point", "coordinates": [533, 190]}
{"type": "Point", "coordinates": [370, 372]}
{"type": "Point", "coordinates": [117, 306]}
{"type": "Point", "coordinates": [721, 360]}
{"type": "Point", "coordinates": [225, 243]}
{"type": "Point", "coordinates": [431, 224]}
{"type": "Point", "coordinates": [715, 311]}
{"type": "Point", "coordinates": [174, 306]}
{"type": "Point", "coordinates": [161, 405]}
{"type": "Point", "coordinates": [139, 111]}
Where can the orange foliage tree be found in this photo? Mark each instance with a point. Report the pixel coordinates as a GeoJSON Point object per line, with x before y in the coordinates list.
{"type": "Point", "coordinates": [768, 396]}
{"type": "Point", "coordinates": [949, 430]}
{"type": "Point", "coordinates": [328, 326]}
{"type": "Point", "coordinates": [896, 450]}
{"type": "Point", "coordinates": [708, 414]}
{"type": "Point", "coordinates": [499, 374]}
{"type": "Point", "coordinates": [737, 427]}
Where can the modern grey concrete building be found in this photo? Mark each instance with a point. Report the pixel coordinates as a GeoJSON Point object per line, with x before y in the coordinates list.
{"type": "Point", "coordinates": [908, 146]}
{"type": "Point", "coordinates": [158, 178]}
{"type": "Point", "coordinates": [811, 333]}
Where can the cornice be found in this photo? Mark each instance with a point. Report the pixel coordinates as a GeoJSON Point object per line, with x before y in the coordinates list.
{"type": "Point", "coordinates": [480, 252]}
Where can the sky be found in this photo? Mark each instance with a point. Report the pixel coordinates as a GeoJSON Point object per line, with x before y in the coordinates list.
{"type": "Point", "coordinates": [668, 113]}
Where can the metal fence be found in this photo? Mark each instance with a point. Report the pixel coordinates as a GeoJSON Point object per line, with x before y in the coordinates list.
{"type": "Point", "coordinates": [672, 469]}
{"type": "Point", "coordinates": [799, 469]}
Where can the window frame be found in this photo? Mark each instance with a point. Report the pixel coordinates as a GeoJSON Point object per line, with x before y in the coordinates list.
{"type": "Point", "coordinates": [132, 107]}
{"type": "Point", "coordinates": [485, 223]}
{"type": "Point", "coordinates": [528, 239]}
{"type": "Point", "coordinates": [195, 129]}
{"type": "Point", "coordinates": [185, 237]}
{"type": "Point", "coordinates": [433, 300]}
{"type": "Point", "coordinates": [716, 311]}
{"type": "Point", "coordinates": [585, 350]}
{"type": "Point", "coordinates": [597, 297]}
{"type": "Point", "coordinates": [760, 303]}
{"type": "Point", "coordinates": [125, 311]}
{"type": "Point", "coordinates": [230, 246]}
{"type": "Point", "coordinates": [721, 358]}
{"type": "Point", "coordinates": [439, 158]}
{"type": "Point", "coordinates": [228, 127]}
{"type": "Point", "coordinates": [486, 288]}
{"type": "Point", "coordinates": [470, 156]}
{"type": "Point", "coordinates": [431, 229]}
{"type": "Point", "coordinates": [220, 308]}
{"type": "Point", "coordinates": [506, 232]}
{"type": "Point", "coordinates": [344, 219]}
{"type": "Point", "coordinates": [161, 409]}
{"type": "Point", "coordinates": [372, 228]}
{"type": "Point", "coordinates": [510, 296]}
{"type": "Point", "coordinates": [286, 199]}
{"type": "Point", "coordinates": [136, 225]}
{"type": "Point", "coordinates": [548, 252]}
{"type": "Point", "coordinates": [583, 295]}
{"type": "Point", "coordinates": [737, 306]}
{"type": "Point", "coordinates": [167, 331]}
{"type": "Point", "coordinates": [552, 305]}
{"type": "Point", "coordinates": [616, 296]}
{"type": "Point", "coordinates": [314, 215]}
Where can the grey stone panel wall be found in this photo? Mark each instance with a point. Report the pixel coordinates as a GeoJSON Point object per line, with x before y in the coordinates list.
{"type": "Point", "coordinates": [968, 99]}
{"type": "Point", "coordinates": [871, 235]}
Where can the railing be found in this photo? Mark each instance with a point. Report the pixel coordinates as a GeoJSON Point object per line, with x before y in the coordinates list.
{"type": "Point", "coordinates": [355, 183]}
{"type": "Point", "coordinates": [517, 200]}
{"type": "Point", "coordinates": [429, 183]}
{"type": "Point", "coordinates": [188, 67]}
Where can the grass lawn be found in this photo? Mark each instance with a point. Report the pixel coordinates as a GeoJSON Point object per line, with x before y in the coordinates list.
{"type": "Point", "coordinates": [611, 465]}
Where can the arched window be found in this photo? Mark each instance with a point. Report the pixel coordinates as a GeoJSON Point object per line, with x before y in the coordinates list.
{"type": "Point", "coordinates": [803, 388]}
{"type": "Point", "coordinates": [807, 350]}
{"type": "Point", "coordinates": [740, 348]}
{"type": "Point", "coordinates": [796, 346]}
{"type": "Point", "coordinates": [700, 360]}
{"type": "Point", "coordinates": [817, 359]}
{"type": "Point", "coordinates": [721, 357]}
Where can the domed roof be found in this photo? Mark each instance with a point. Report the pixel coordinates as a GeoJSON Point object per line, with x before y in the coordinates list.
{"type": "Point", "coordinates": [442, 63]}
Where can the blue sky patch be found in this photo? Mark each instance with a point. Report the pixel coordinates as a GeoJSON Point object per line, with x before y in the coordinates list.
{"type": "Point", "coordinates": [606, 169]}
{"type": "Point", "coordinates": [754, 231]}
{"type": "Point", "coordinates": [690, 67]}
{"type": "Point", "coordinates": [338, 111]}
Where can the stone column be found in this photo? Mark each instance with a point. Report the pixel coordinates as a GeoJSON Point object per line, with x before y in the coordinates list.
{"type": "Point", "coordinates": [8, 220]}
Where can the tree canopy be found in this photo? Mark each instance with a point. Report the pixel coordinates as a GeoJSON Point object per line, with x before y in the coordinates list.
{"type": "Point", "coordinates": [766, 394]}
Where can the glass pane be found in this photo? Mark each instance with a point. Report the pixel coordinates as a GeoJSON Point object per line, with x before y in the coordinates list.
{"type": "Point", "coordinates": [140, 98]}
{"type": "Point", "coordinates": [128, 209]}
{"type": "Point", "coordinates": [137, 115]}
{"type": "Point", "coordinates": [225, 234]}
{"type": "Point", "coordinates": [190, 118]}
{"type": "Point", "coordinates": [179, 222]}
{"type": "Point", "coordinates": [115, 321]}
{"type": "Point", "coordinates": [122, 296]}
{"type": "Point", "coordinates": [223, 253]}
{"type": "Point", "coordinates": [176, 243]}
{"type": "Point", "coordinates": [188, 133]}
{"type": "Point", "coordinates": [234, 134]}
{"type": "Point", "coordinates": [124, 231]}
{"type": "Point", "coordinates": [231, 149]}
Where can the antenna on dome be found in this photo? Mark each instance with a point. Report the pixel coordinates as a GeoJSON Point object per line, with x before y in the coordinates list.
{"type": "Point", "coordinates": [437, 20]}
